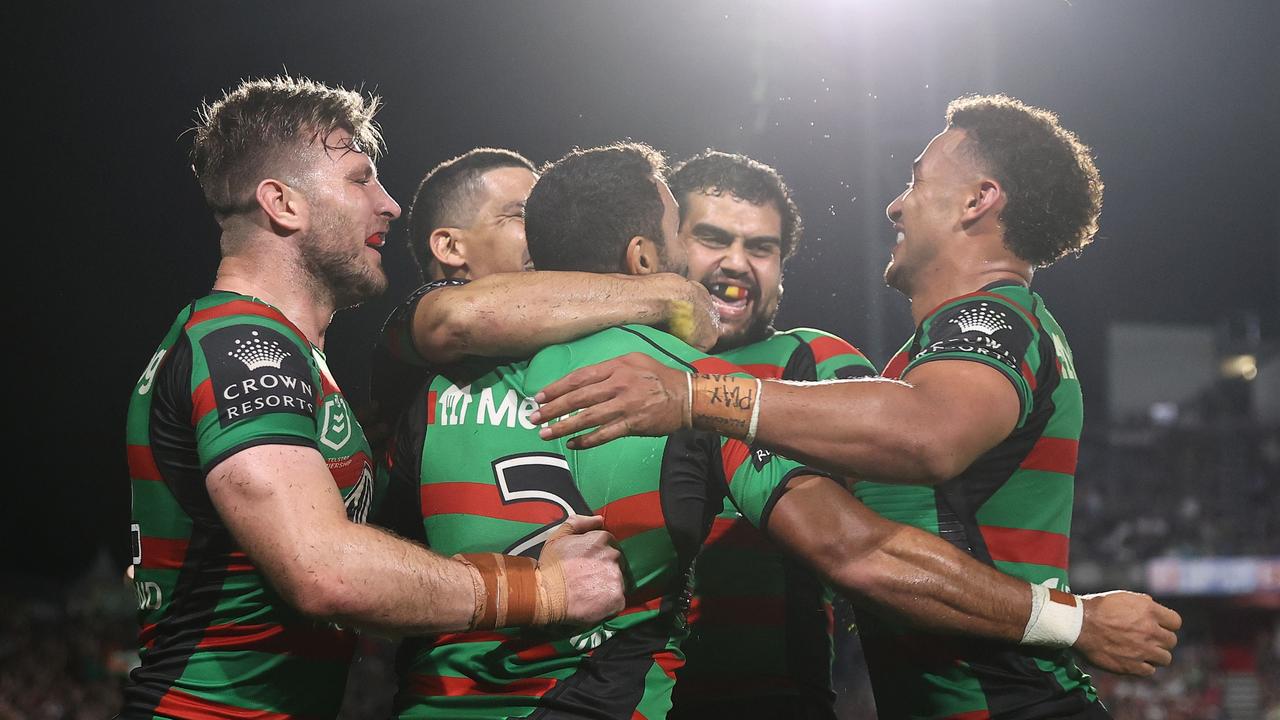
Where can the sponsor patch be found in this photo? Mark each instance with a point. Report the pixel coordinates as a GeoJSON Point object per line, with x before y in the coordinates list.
{"type": "Point", "coordinates": [980, 328]}
{"type": "Point", "coordinates": [254, 371]}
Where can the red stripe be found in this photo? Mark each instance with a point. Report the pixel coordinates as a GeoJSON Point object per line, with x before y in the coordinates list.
{"type": "Point", "coordinates": [541, 651]}
{"type": "Point", "coordinates": [306, 642]}
{"type": "Point", "coordinates": [202, 401]}
{"type": "Point", "coordinates": [176, 703]}
{"type": "Point", "coordinates": [737, 533]}
{"type": "Point", "coordinates": [243, 307]}
{"type": "Point", "coordinates": [1028, 376]}
{"type": "Point", "coordinates": [896, 365]}
{"type": "Point", "coordinates": [1053, 455]}
{"type": "Point", "coordinates": [632, 515]}
{"type": "Point", "coordinates": [239, 562]}
{"type": "Point", "coordinates": [432, 399]}
{"type": "Point", "coordinates": [716, 366]}
{"type": "Point", "coordinates": [733, 453]}
{"type": "Point", "coordinates": [480, 499]}
{"type": "Point", "coordinates": [741, 610]}
{"type": "Point", "coordinates": [142, 464]}
{"type": "Point", "coordinates": [824, 348]}
{"type": "Point", "coordinates": [348, 472]}
{"type": "Point", "coordinates": [765, 371]}
{"type": "Point", "coordinates": [971, 715]}
{"type": "Point", "coordinates": [1026, 546]}
{"type": "Point", "coordinates": [163, 553]}
{"type": "Point", "coordinates": [669, 663]}
{"type": "Point", "coordinates": [147, 635]}
{"type": "Point", "coordinates": [438, 686]}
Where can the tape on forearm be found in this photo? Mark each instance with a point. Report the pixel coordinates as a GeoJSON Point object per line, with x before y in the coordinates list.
{"type": "Point", "coordinates": [1056, 618]}
{"type": "Point", "coordinates": [510, 590]}
{"type": "Point", "coordinates": [725, 405]}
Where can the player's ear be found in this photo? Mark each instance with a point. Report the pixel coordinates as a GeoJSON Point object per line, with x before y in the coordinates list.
{"type": "Point", "coordinates": [285, 207]}
{"type": "Point", "coordinates": [642, 256]}
{"type": "Point", "coordinates": [985, 200]}
{"type": "Point", "coordinates": [448, 249]}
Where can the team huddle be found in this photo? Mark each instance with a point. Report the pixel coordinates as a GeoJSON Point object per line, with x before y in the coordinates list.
{"type": "Point", "coordinates": [593, 479]}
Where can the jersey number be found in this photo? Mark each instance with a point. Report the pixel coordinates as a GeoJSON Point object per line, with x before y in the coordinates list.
{"type": "Point", "coordinates": [538, 477]}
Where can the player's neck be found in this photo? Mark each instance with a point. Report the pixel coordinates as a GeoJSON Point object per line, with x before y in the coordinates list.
{"type": "Point", "coordinates": [941, 284]}
{"type": "Point", "coordinates": [281, 284]}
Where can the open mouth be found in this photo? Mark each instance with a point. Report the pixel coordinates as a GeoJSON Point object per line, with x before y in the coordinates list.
{"type": "Point", "coordinates": [727, 295]}
{"type": "Point", "coordinates": [376, 240]}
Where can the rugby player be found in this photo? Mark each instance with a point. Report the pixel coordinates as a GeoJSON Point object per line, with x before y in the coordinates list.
{"type": "Point", "coordinates": [973, 433]}
{"type": "Point", "coordinates": [251, 480]}
{"type": "Point", "coordinates": [466, 234]}
{"type": "Point", "coordinates": [760, 641]}
{"type": "Point", "coordinates": [469, 473]}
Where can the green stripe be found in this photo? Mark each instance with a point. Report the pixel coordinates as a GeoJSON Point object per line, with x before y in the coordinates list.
{"type": "Point", "coordinates": [278, 683]}
{"type": "Point", "coordinates": [164, 516]}
{"type": "Point", "coordinates": [1033, 572]}
{"type": "Point", "coordinates": [909, 504]}
{"type": "Point", "coordinates": [1031, 500]}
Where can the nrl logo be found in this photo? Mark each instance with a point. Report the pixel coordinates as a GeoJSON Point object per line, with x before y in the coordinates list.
{"type": "Point", "coordinates": [336, 422]}
{"type": "Point", "coordinates": [983, 318]}
{"type": "Point", "coordinates": [258, 353]}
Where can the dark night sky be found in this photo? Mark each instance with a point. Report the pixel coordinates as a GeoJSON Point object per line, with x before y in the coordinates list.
{"type": "Point", "coordinates": [1180, 100]}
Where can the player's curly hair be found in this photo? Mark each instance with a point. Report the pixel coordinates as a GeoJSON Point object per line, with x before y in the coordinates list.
{"type": "Point", "coordinates": [588, 205]}
{"type": "Point", "coordinates": [256, 131]}
{"type": "Point", "coordinates": [1053, 190]}
{"type": "Point", "coordinates": [712, 172]}
{"type": "Point", "coordinates": [448, 192]}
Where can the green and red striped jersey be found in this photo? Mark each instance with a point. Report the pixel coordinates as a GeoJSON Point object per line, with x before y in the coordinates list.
{"type": "Point", "coordinates": [216, 641]}
{"type": "Point", "coordinates": [1010, 509]}
{"type": "Point", "coordinates": [468, 473]}
{"type": "Point", "coordinates": [760, 623]}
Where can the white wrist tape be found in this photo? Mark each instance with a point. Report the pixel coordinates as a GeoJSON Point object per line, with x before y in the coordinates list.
{"type": "Point", "coordinates": [1056, 618]}
{"type": "Point", "coordinates": [755, 415]}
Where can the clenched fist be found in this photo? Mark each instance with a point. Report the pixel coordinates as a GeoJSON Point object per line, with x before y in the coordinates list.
{"type": "Point", "coordinates": [582, 554]}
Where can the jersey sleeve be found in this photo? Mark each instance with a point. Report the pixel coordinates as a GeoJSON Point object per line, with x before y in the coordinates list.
{"type": "Point", "coordinates": [986, 330]}
{"type": "Point", "coordinates": [397, 369]}
{"type": "Point", "coordinates": [834, 358]}
{"type": "Point", "coordinates": [253, 382]}
{"type": "Point", "coordinates": [396, 340]}
{"type": "Point", "coordinates": [757, 478]}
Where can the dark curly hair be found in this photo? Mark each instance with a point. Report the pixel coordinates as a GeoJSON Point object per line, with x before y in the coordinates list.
{"type": "Point", "coordinates": [590, 203]}
{"type": "Point", "coordinates": [712, 172]}
{"type": "Point", "coordinates": [1053, 190]}
{"type": "Point", "coordinates": [445, 194]}
{"type": "Point", "coordinates": [255, 131]}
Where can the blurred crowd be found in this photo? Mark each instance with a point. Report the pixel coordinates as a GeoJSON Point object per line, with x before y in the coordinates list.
{"type": "Point", "coordinates": [1212, 490]}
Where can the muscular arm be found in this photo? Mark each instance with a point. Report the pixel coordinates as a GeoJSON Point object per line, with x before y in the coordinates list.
{"type": "Point", "coordinates": [917, 575]}
{"type": "Point", "coordinates": [925, 430]}
{"type": "Point", "coordinates": [282, 508]}
{"type": "Point", "coordinates": [936, 586]}
{"type": "Point", "coordinates": [517, 314]}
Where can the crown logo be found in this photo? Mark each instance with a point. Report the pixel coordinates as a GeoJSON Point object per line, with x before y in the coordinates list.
{"type": "Point", "coordinates": [258, 353]}
{"type": "Point", "coordinates": [983, 318]}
